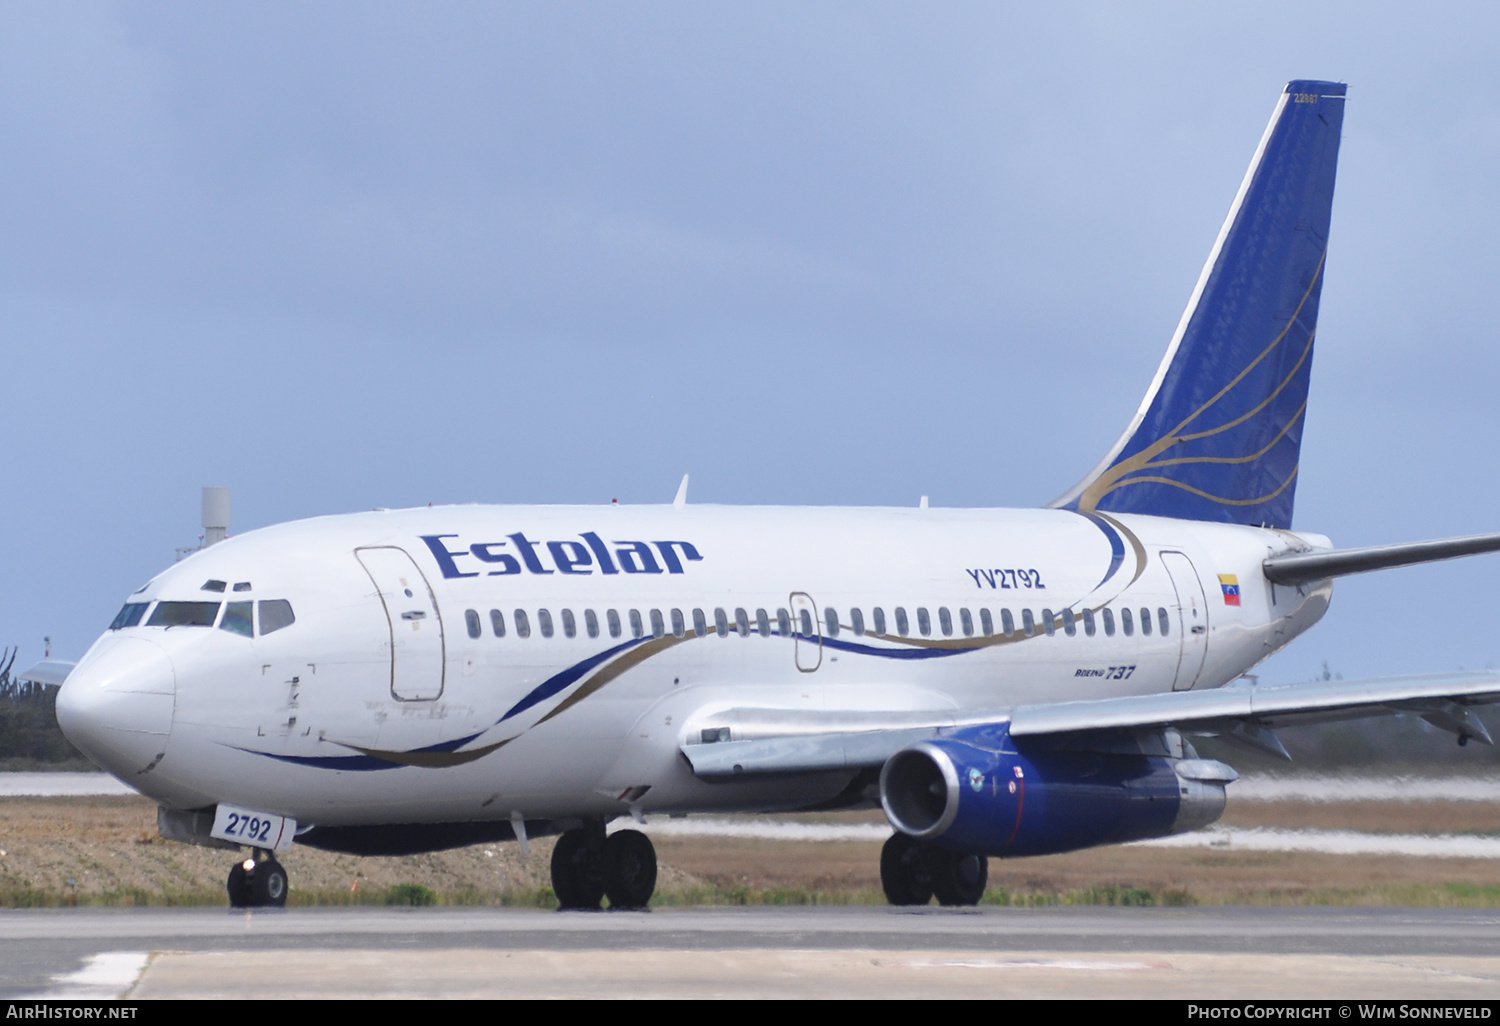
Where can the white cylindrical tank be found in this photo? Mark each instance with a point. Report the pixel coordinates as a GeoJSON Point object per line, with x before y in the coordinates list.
{"type": "Point", "coordinates": [215, 514]}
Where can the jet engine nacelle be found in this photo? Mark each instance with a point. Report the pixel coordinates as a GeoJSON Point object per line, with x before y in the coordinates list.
{"type": "Point", "coordinates": [974, 792]}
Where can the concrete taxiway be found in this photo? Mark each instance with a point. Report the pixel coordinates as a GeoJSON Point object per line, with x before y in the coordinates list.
{"type": "Point", "coordinates": [753, 952]}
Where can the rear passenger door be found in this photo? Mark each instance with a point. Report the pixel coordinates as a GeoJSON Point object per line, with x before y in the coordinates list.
{"type": "Point", "coordinates": [1192, 618]}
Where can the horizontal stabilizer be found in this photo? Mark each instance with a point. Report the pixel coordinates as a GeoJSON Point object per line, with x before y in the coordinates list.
{"type": "Point", "coordinates": [50, 671]}
{"type": "Point", "coordinates": [1316, 566]}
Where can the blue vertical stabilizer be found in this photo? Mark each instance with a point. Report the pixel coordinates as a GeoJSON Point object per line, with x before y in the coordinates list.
{"type": "Point", "coordinates": [1219, 433]}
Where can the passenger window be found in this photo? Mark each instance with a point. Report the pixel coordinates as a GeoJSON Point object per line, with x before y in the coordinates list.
{"type": "Point", "coordinates": [1162, 621]}
{"type": "Point", "coordinates": [1008, 624]}
{"type": "Point", "coordinates": [637, 630]}
{"type": "Point", "coordinates": [612, 618]}
{"type": "Point", "coordinates": [544, 622]}
{"type": "Point", "coordinates": [831, 622]}
{"type": "Point", "coordinates": [236, 619]}
{"type": "Point", "coordinates": [1047, 624]}
{"type": "Point", "coordinates": [1127, 624]}
{"type": "Point", "coordinates": [1109, 622]}
{"type": "Point", "coordinates": [807, 623]}
{"type": "Point", "coordinates": [700, 623]}
{"type": "Point", "coordinates": [497, 623]}
{"type": "Point", "coordinates": [185, 614]}
{"type": "Point", "coordinates": [591, 623]}
{"type": "Point", "coordinates": [762, 623]}
{"type": "Point", "coordinates": [471, 621]}
{"type": "Point", "coordinates": [966, 621]}
{"type": "Point", "coordinates": [903, 626]}
{"type": "Point", "coordinates": [721, 623]}
{"type": "Point", "coordinates": [857, 621]}
{"type": "Point", "coordinates": [879, 616]}
{"type": "Point", "coordinates": [1145, 621]}
{"type": "Point", "coordinates": [742, 623]}
{"type": "Point", "coordinates": [1028, 623]}
{"type": "Point", "coordinates": [986, 623]}
{"type": "Point", "coordinates": [924, 621]}
{"type": "Point", "coordinates": [783, 623]}
{"type": "Point", "coordinates": [570, 625]}
{"type": "Point", "coordinates": [129, 616]}
{"type": "Point", "coordinates": [945, 621]}
{"type": "Point", "coordinates": [1088, 622]}
{"type": "Point", "coordinates": [1070, 623]}
{"type": "Point", "coordinates": [679, 625]}
{"type": "Point", "coordinates": [274, 615]}
{"type": "Point", "coordinates": [523, 625]}
{"type": "Point", "coordinates": [658, 628]}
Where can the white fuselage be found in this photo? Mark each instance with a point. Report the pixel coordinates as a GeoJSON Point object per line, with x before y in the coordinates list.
{"type": "Point", "coordinates": [378, 706]}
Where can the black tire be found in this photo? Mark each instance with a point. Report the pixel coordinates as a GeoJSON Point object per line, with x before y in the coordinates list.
{"type": "Point", "coordinates": [904, 873]}
{"type": "Point", "coordinates": [577, 879]}
{"type": "Point", "coordinates": [239, 887]}
{"type": "Point", "coordinates": [629, 869]}
{"type": "Point", "coordinates": [269, 884]}
{"type": "Point", "coordinates": [958, 877]}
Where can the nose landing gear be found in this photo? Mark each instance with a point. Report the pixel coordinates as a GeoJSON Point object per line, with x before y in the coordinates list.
{"type": "Point", "coordinates": [258, 882]}
{"type": "Point", "coordinates": [587, 867]}
{"type": "Point", "coordinates": [912, 873]}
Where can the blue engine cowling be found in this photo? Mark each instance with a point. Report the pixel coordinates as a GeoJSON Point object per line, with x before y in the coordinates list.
{"type": "Point", "coordinates": [974, 791]}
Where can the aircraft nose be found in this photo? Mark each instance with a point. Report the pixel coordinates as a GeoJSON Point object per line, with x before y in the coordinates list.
{"type": "Point", "coordinates": [116, 706]}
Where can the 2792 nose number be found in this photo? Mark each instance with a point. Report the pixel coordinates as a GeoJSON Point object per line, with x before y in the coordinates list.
{"type": "Point", "coordinates": [247, 826]}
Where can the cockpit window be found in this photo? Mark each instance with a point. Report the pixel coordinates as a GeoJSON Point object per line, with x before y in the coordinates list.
{"type": "Point", "coordinates": [274, 615]}
{"type": "Point", "coordinates": [130, 615]}
{"type": "Point", "coordinates": [237, 619]}
{"type": "Point", "coordinates": [242, 586]}
{"type": "Point", "coordinates": [184, 614]}
{"type": "Point", "coordinates": [213, 586]}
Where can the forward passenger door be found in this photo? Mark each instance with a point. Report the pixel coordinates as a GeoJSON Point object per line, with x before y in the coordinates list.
{"type": "Point", "coordinates": [416, 629]}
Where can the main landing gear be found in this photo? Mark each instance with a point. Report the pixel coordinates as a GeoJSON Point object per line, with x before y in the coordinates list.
{"type": "Point", "coordinates": [587, 867]}
{"type": "Point", "coordinates": [912, 873]}
{"type": "Point", "coordinates": [258, 882]}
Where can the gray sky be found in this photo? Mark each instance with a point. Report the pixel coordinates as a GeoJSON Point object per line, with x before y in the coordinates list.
{"type": "Point", "coordinates": [338, 256]}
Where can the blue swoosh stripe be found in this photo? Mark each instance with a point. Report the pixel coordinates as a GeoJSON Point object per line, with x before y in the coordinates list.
{"type": "Point", "coordinates": [895, 653]}
{"type": "Point", "coordinates": [449, 746]}
{"type": "Point", "coordinates": [358, 763]}
{"type": "Point", "coordinates": [558, 682]}
{"type": "Point", "coordinates": [1116, 545]}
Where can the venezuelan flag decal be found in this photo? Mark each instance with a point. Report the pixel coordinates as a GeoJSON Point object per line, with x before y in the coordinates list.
{"type": "Point", "coordinates": [1230, 585]}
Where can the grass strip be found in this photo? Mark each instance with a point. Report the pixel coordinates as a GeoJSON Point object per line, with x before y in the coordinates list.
{"type": "Point", "coordinates": [1448, 895]}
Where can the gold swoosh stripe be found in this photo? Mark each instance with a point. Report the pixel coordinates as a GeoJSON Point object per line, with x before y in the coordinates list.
{"type": "Point", "coordinates": [1234, 459]}
{"type": "Point", "coordinates": [1317, 273]}
{"type": "Point", "coordinates": [431, 760]}
{"type": "Point", "coordinates": [1217, 498]}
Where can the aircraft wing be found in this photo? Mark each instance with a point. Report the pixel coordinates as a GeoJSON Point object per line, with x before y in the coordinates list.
{"type": "Point", "coordinates": [1246, 715]}
{"type": "Point", "coordinates": [50, 671]}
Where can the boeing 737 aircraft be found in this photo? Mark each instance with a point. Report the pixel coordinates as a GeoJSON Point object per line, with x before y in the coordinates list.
{"type": "Point", "coordinates": [1002, 682]}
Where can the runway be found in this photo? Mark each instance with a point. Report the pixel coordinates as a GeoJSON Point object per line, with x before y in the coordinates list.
{"type": "Point", "coordinates": [748, 952]}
